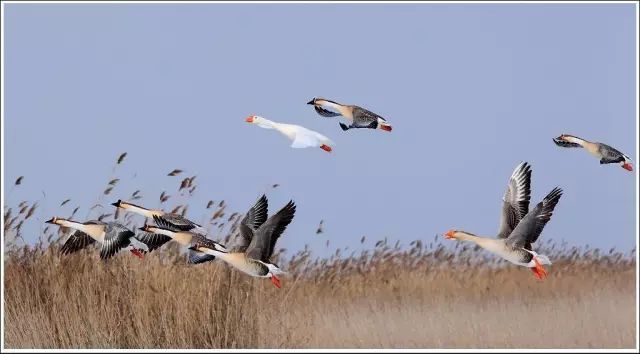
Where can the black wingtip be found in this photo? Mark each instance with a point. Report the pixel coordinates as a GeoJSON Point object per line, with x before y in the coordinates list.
{"type": "Point", "coordinates": [291, 207]}
{"type": "Point", "coordinates": [554, 195]}
{"type": "Point", "coordinates": [344, 126]}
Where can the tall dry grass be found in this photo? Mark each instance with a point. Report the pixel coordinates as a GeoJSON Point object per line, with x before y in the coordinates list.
{"type": "Point", "coordinates": [421, 296]}
{"type": "Point", "coordinates": [386, 298]}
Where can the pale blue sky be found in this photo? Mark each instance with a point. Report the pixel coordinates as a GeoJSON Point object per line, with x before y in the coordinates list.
{"type": "Point", "coordinates": [470, 89]}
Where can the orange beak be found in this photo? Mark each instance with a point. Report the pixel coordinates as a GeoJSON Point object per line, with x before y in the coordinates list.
{"type": "Point", "coordinates": [449, 234]}
{"type": "Point", "coordinates": [249, 119]}
{"type": "Point", "coordinates": [627, 166]}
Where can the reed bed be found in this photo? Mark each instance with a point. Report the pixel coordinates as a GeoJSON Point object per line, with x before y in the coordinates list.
{"type": "Point", "coordinates": [421, 295]}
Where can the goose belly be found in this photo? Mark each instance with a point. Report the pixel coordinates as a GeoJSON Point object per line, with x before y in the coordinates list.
{"type": "Point", "coordinates": [506, 253]}
{"type": "Point", "coordinates": [247, 266]}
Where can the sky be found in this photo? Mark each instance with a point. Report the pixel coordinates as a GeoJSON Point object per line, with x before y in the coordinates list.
{"type": "Point", "coordinates": [471, 90]}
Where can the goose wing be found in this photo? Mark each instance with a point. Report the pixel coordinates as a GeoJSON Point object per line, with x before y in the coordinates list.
{"type": "Point", "coordinates": [198, 241]}
{"type": "Point", "coordinates": [116, 237]}
{"type": "Point", "coordinates": [265, 238]}
{"type": "Point", "coordinates": [364, 116]}
{"type": "Point", "coordinates": [196, 257]}
{"type": "Point", "coordinates": [256, 216]}
{"type": "Point", "coordinates": [79, 240]}
{"type": "Point", "coordinates": [305, 138]}
{"type": "Point", "coordinates": [530, 228]}
{"type": "Point", "coordinates": [516, 199]}
{"type": "Point", "coordinates": [153, 241]}
{"type": "Point", "coordinates": [610, 154]}
{"type": "Point", "coordinates": [325, 112]}
{"type": "Point", "coordinates": [176, 222]}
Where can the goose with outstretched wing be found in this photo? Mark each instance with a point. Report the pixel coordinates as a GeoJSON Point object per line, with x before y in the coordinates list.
{"type": "Point", "coordinates": [519, 227]}
{"type": "Point", "coordinates": [255, 259]}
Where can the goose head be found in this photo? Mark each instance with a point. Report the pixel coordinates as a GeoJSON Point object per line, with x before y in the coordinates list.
{"type": "Point", "coordinates": [259, 121]}
{"type": "Point", "coordinates": [456, 234]}
{"type": "Point", "coordinates": [53, 220]}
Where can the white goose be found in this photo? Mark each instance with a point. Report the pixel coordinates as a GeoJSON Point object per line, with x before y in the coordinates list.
{"type": "Point", "coordinates": [301, 136]}
{"type": "Point", "coordinates": [519, 227]}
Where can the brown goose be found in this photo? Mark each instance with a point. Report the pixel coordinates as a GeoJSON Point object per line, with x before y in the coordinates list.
{"type": "Point", "coordinates": [357, 116]}
{"type": "Point", "coordinates": [254, 258]}
{"type": "Point", "coordinates": [604, 152]}
{"type": "Point", "coordinates": [113, 237]}
{"type": "Point", "coordinates": [519, 227]}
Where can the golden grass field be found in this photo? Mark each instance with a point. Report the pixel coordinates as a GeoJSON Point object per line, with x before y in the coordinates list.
{"type": "Point", "coordinates": [423, 295]}
{"type": "Point", "coordinates": [387, 298]}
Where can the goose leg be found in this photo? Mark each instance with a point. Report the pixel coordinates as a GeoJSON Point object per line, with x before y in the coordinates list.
{"type": "Point", "coordinates": [538, 270]}
{"type": "Point", "coordinates": [136, 252]}
{"type": "Point", "coordinates": [276, 281]}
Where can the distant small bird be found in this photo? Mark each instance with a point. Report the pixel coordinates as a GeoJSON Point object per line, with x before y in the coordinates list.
{"type": "Point", "coordinates": [358, 116]}
{"type": "Point", "coordinates": [301, 136]}
{"type": "Point", "coordinates": [113, 237]}
{"type": "Point", "coordinates": [519, 227]}
{"type": "Point", "coordinates": [256, 245]}
{"type": "Point", "coordinates": [604, 152]}
{"type": "Point", "coordinates": [275, 186]}
{"type": "Point", "coordinates": [320, 230]}
{"type": "Point", "coordinates": [174, 172]}
{"type": "Point", "coordinates": [19, 180]}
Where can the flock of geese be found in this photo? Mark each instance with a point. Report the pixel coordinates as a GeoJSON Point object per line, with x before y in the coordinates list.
{"type": "Point", "coordinates": [258, 233]}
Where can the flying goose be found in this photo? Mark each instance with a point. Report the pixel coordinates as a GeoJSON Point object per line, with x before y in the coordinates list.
{"type": "Point", "coordinates": [255, 217]}
{"type": "Point", "coordinates": [519, 227]}
{"type": "Point", "coordinates": [169, 221]}
{"type": "Point", "coordinates": [357, 116]}
{"type": "Point", "coordinates": [252, 255]}
{"type": "Point", "coordinates": [112, 235]}
{"type": "Point", "coordinates": [301, 136]}
{"type": "Point", "coordinates": [187, 239]}
{"type": "Point", "coordinates": [604, 152]}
